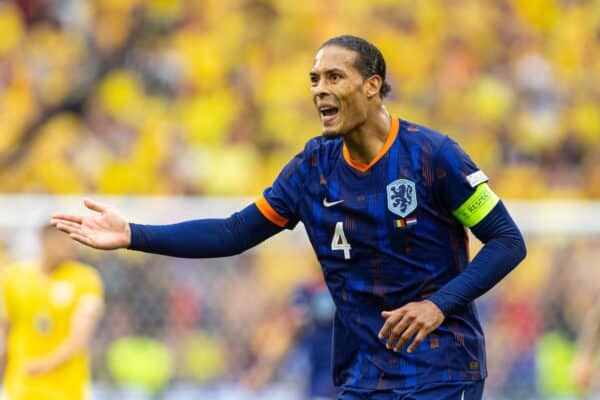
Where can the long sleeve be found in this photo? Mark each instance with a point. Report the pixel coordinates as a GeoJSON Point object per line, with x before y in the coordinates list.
{"type": "Point", "coordinates": [205, 238]}
{"type": "Point", "coordinates": [503, 249]}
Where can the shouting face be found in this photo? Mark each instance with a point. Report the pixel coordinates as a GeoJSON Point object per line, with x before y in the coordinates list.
{"type": "Point", "coordinates": [339, 91]}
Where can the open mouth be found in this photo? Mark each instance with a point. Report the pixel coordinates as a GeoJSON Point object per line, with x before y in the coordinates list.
{"type": "Point", "coordinates": [328, 113]}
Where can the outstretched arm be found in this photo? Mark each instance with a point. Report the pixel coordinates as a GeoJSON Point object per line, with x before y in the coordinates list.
{"type": "Point", "coordinates": [204, 238]}
{"type": "Point", "coordinates": [200, 238]}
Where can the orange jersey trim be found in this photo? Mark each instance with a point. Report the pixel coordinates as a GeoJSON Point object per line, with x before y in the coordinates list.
{"type": "Point", "coordinates": [392, 134]}
{"type": "Point", "coordinates": [265, 208]}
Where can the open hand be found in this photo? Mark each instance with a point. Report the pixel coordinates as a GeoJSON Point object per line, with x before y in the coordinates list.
{"type": "Point", "coordinates": [416, 319]}
{"type": "Point", "coordinates": [107, 230]}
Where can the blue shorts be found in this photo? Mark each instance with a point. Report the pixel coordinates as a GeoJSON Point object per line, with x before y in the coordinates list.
{"type": "Point", "coordinates": [440, 391]}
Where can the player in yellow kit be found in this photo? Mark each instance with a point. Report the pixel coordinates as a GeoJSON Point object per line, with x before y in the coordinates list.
{"type": "Point", "coordinates": [49, 312]}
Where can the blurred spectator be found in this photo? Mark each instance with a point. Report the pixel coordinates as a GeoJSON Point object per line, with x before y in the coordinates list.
{"type": "Point", "coordinates": [584, 366]}
{"type": "Point", "coordinates": [48, 315]}
{"type": "Point", "coordinates": [140, 364]}
{"type": "Point", "coordinates": [304, 328]}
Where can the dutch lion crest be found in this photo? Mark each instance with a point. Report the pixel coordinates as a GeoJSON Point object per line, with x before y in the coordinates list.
{"type": "Point", "coordinates": [401, 197]}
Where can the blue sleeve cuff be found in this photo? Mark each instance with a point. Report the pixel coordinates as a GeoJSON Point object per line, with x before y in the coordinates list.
{"type": "Point", "coordinates": [137, 236]}
{"type": "Point", "coordinates": [443, 304]}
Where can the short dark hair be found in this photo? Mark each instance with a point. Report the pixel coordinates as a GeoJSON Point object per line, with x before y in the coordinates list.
{"type": "Point", "coordinates": [369, 62]}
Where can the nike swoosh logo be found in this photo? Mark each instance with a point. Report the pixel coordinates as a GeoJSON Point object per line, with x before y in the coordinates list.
{"type": "Point", "coordinates": [332, 203]}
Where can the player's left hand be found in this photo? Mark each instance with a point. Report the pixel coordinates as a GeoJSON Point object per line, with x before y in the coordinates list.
{"type": "Point", "coordinates": [38, 367]}
{"type": "Point", "coordinates": [416, 319]}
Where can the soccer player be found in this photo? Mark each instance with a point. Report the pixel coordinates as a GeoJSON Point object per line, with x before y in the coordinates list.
{"type": "Point", "coordinates": [49, 311]}
{"type": "Point", "coordinates": [385, 203]}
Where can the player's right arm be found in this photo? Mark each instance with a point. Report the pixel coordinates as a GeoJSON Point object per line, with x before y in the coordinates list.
{"type": "Point", "coordinates": [201, 238]}
{"type": "Point", "coordinates": [191, 239]}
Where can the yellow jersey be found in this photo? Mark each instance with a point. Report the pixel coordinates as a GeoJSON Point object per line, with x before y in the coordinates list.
{"type": "Point", "coordinates": [39, 308]}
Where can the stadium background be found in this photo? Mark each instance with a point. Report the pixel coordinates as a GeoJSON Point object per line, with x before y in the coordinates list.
{"type": "Point", "coordinates": [209, 99]}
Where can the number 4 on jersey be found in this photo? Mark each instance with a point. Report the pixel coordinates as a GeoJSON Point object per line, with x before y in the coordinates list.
{"type": "Point", "coordinates": [339, 241]}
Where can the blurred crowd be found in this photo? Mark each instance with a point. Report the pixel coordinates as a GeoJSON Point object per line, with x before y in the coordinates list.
{"type": "Point", "coordinates": [212, 97]}
{"type": "Point", "coordinates": [207, 322]}
{"type": "Point", "coordinates": [229, 327]}
{"type": "Point", "coordinates": [533, 319]}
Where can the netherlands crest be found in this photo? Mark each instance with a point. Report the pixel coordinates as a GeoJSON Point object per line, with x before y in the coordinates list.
{"type": "Point", "coordinates": [401, 197]}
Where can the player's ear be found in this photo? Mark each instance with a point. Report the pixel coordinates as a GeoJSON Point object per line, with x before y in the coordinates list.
{"type": "Point", "coordinates": [373, 85]}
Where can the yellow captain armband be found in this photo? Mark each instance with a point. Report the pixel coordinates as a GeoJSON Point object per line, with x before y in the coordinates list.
{"type": "Point", "coordinates": [476, 207]}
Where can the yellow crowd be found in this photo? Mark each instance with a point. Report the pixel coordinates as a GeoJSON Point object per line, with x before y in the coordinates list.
{"type": "Point", "coordinates": [212, 97]}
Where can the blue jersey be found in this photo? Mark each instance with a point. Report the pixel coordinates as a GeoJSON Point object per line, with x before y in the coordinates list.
{"type": "Point", "coordinates": [385, 235]}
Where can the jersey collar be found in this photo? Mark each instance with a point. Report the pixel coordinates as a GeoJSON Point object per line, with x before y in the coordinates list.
{"type": "Point", "coordinates": [392, 134]}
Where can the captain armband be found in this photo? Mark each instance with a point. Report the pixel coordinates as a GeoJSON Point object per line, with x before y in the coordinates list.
{"type": "Point", "coordinates": [476, 207]}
